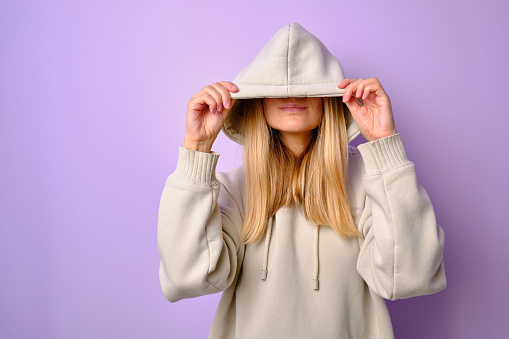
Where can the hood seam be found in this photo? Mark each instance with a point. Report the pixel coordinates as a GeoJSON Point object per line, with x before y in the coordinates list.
{"type": "Point", "coordinates": [288, 62]}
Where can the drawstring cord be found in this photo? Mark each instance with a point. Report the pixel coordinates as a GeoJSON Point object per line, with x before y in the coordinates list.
{"type": "Point", "coordinates": [315, 257]}
{"type": "Point", "coordinates": [266, 254]}
{"type": "Point", "coordinates": [315, 276]}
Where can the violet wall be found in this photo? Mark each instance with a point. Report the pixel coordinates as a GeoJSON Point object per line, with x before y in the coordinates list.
{"type": "Point", "coordinates": [93, 99]}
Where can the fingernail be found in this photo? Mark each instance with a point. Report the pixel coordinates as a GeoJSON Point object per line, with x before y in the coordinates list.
{"type": "Point", "coordinates": [219, 108]}
{"type": "Point", "coordinates": [228, 103]}
{"type": "Point", "coordinates": [344, 98]}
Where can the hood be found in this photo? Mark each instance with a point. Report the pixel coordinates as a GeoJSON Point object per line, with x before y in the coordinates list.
{"type": "Point", "coordinates": [293, 63]}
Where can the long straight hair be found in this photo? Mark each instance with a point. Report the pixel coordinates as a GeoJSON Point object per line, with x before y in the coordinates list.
{"type": "Point", "coordinates": [314, 180]}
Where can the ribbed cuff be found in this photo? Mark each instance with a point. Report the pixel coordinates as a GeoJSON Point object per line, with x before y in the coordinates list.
{"type": "Point", "coordinates": [197, 166]}
{"type": "Point", "coordinates": [383, 154]}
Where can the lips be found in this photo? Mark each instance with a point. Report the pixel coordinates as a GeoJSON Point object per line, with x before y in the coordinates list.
{"type": "Point", "coordinates": [293, 105]}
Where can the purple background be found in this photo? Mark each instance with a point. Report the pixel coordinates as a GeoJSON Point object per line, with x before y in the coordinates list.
{"type": "Point", "coordinates": [93, 98]}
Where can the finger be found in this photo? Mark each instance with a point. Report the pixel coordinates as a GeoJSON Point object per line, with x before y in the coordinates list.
{"type": "Point", "coordinates": [375, 81]}
{"type": "Point", "coordinates": [373, 88]}
{"type": "Point", "coordinates": [353, 106]}
{"type": "Point", "coordinates": [229, 86]}
{"type": "Point", "coordinates": [345, 82]}
{"type": "Point", "coordinates": [225, 94]}
{"type": "Point", "coordinates": [232, 102]}
{"type": "Point", "coordinates": [210, 101]}
{"type": "Point", "coordinates": [226, 111]}
{"type": "Point", "coordinates": [350, 89]}
{"type": "Point", "coordinates": [381, 90]}
{"type": "Point", "coordinates": [362, 85]}
{"type": "Point", "coordinates": [201, 101]}
{"type": "Point", "coordinates": [210, 90]}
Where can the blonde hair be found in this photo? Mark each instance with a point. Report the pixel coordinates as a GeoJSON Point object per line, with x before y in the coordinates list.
{"type": "Point", "coordinates": [314, 179]}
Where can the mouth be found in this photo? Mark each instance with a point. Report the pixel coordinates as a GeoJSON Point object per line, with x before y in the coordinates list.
{"type": "Point", "coordinates": [292, 107]}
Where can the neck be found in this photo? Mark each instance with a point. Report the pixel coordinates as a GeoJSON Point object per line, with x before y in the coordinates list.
{"type": "Point", "coordinates": [296, 142]}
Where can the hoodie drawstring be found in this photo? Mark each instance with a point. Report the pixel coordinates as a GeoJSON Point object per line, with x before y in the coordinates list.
{"type": "Point", "coordinates": [315, 276]}
{"type": "Point", "coordinates": [266, 253]}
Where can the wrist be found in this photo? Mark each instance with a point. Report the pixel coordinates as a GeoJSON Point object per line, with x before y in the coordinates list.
{"type": "Point", "coordinates": [203, 146]}
{"type": "Point", "coordinates": [385, 135]}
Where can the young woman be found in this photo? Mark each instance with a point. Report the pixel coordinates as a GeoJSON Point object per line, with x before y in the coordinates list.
{"type": "Point", "coordinates": [309, 236]}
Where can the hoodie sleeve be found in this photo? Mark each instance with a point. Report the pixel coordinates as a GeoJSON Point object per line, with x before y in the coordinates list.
{"type": "Point", "coordinates": [401, 255]}
{"type": "Point", "coordinates": [198, 235]}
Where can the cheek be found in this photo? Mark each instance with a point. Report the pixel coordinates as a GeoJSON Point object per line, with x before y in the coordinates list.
{"type": "Point", "coordinates": [269, 112]}
{"type": "Point", "coordinates": [318, 109]}
{"type": "Point", "coordinates": [318, 121]}
{"type": "Point", "coordinates": [318, 114]}
{"type": "Point", "coordinates": [270, 118]}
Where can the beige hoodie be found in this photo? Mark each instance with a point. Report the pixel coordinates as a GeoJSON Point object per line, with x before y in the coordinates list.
{"type": "Point", "coordinates": [303, 281]}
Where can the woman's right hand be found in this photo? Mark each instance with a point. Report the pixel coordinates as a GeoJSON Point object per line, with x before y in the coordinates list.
{"type": "Point", "coordinates": [206, 112]}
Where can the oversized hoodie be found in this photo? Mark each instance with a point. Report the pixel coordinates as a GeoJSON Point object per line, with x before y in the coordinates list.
{"type": "Point", "coordinates": [303, 280]}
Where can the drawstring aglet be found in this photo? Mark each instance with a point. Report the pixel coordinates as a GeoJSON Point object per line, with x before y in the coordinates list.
{"type": "Point", "coordinates": [315, 285]}
{"type": "Point", "coordinates": [264, 274]}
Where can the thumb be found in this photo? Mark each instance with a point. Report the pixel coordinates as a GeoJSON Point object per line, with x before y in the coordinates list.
{"type": "Point", "coordinates": [353, 105]}
{"type": "Point", "coordinates": [226, 111]}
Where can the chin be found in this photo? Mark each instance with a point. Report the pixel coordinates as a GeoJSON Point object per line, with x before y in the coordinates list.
{"type": "Point", "coordinates": [295, 130]}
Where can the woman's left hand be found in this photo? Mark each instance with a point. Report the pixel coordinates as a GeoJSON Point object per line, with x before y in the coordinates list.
{"type": "Point", "coordinates": [374, 118]}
